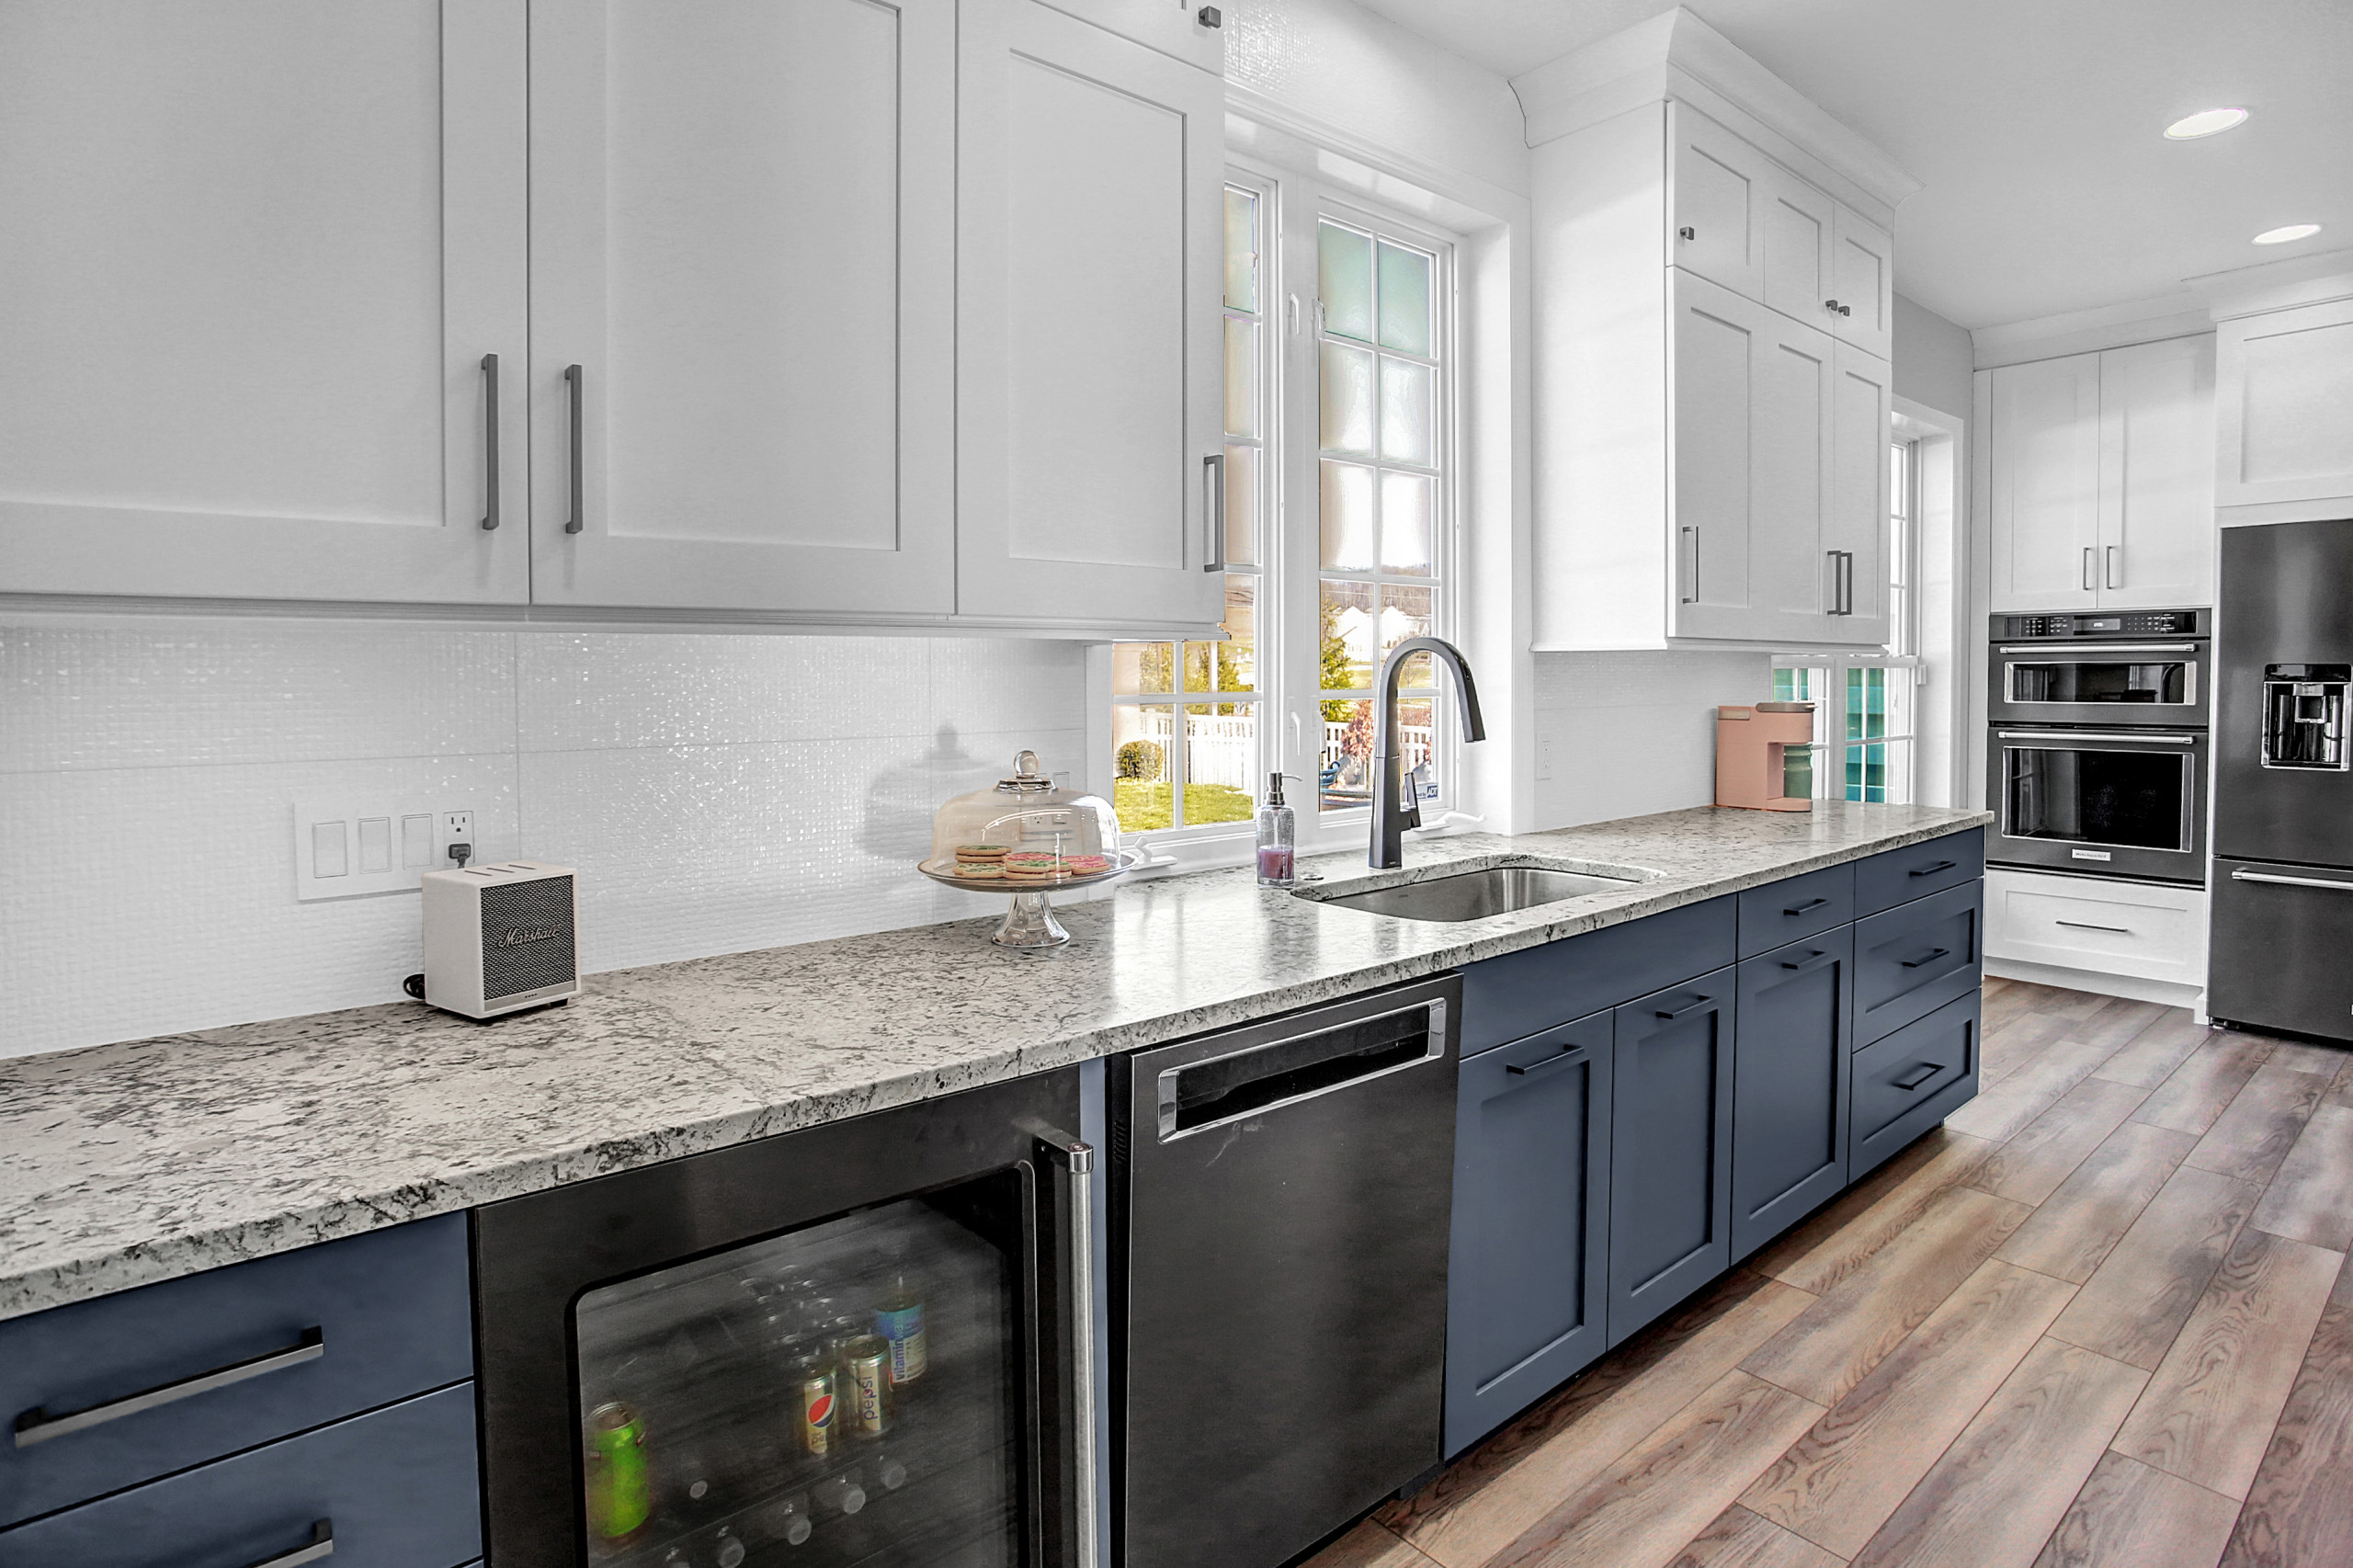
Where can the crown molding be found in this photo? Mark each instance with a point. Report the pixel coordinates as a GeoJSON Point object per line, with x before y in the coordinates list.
{"type": "Point", "coordinates": [2178, 314]}
{"type": "Point", "coordinates": [2279, 285]}
{"type": "Point", "coordinates": [1676, 55]}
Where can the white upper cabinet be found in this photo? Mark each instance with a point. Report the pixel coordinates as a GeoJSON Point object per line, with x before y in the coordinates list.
{"type": "Point", "coordinates": [2044, 495]}
{"type": "Point", "coordinates": [2285, 436]}
{"type": "Point", "coordinates": [1717, 206]}
{"type": "Point", "coordinates": [254, 261]}
{"type": "Point", "coordinates": [2100, 490]}
{"type": "Point", "coordinates": [743, 304]}
{"type": "Point", "coordinates": [1862, 284]}
{"type": "Point", "coordinates": [2156, 531]}
{"type": "Point", "coordinates": [1090, 357]}
{"type": "Point", "coordinates": [1855, 523]}
{"type": "Point", "coordinates": [1799, 226]}
{"type": "Point", "coordinates": [1172, 26]}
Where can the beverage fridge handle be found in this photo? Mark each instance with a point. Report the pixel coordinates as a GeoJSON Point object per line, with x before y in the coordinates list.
{"type": "Point", "coordinates": [1077, 1159]}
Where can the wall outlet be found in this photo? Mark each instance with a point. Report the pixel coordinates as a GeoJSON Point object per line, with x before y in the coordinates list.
{"type": "Point", "coordinates": [1543, 759]}
{"type": "Point", "coordinates": [350, 848]}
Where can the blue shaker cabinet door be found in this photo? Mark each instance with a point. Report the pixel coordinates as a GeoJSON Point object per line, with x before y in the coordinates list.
{"type": "Point", "coordinates": [396, 1488]}
{"type": "Point", "coordinates": [1789, 1140]}
{"type": "Point", "coordinates": [1670, 1135]}
{"type": "Point", "coordinates": [1525, 1304]}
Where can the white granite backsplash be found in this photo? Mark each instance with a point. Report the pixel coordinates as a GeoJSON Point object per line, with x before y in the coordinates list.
{"type": "Point", "coordinates": [721, 792]}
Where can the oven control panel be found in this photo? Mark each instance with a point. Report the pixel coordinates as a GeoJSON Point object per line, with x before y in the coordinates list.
{"type": "Point", "coordinates": [2118, 623]}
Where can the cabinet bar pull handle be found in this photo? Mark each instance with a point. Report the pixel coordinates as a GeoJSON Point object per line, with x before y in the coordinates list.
{"type": "Point", "coordinates": [1815, 962]}
{"type": "Point", "coordinates": [2290, 881]}
{"type": "Point", "coordinates": [2108, 571]}
{"type": "Point", "coordinates": [37, 1425]}
{"type": "Point", "coordinates": [1848, 559]}
{"type": "Point", "coordinates": [1939, 866]}
{"type": "Point", "coordinates": [1926, 958]}
{"type": "Point", "coordinates": [489, 441]}
{"type": "Point", "coordinates": [573, 395]}
{"type": "Point", "coordinates": [1809, 904]}
{"type": "Point", "coordinates": [2087, 568]}
{"type": "Point", "coordinates": [1213, 510]}
{"type": "Point", "coordinates": [2087, 926]}
{"type": "Point", "coordinates": [1691, 1007]}
{"type": "Point", "coordinates": [1077, 1159]}
{"type": "Point", "coordinates": [1569, 1054]}
{"type": "Point", "coordinates": [1690, 538]}
{"type": "Point", "coordinates": [322, 1545]}
{"type": "Point", "coordinates": [1919, 1075]}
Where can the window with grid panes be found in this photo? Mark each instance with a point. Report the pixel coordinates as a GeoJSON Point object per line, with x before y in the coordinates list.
{"type": "Point", "coordinates": [1864, 726]}
{"type": "Point", "coordinates": [1185, 726]}
{"type": "Point", "coordinates": [1381, 496]}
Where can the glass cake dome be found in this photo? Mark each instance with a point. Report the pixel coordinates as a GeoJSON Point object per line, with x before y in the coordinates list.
{"type": "Point", "coordinates": [1025, 836]}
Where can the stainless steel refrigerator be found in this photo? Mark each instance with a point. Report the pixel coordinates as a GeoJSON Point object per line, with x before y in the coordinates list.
{"type": "Point", "coordinates": [2281, 956]}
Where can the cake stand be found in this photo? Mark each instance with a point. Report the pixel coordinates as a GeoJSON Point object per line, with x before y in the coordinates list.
{"type": "Point", "coordinates": [1030, 922]}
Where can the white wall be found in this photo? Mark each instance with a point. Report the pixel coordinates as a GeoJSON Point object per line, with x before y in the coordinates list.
{"type": "Point", "coordinates": [718, 793]}
{"type": "Point", "coordinates": [1932, 358]}
{"type": "Point", "coordinates": [1624, 735]}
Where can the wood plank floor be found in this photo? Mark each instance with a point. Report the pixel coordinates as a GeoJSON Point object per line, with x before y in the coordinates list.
{"type": "Point", "coordinates": [2103, 1317]}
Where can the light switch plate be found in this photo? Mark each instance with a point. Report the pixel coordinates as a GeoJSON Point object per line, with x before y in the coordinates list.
{"type": "Point", "coordinates": [350, 848]}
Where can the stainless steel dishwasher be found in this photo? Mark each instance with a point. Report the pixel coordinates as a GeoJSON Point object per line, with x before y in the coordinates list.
{"type": "Point", "coordinates": [1279, 1200]}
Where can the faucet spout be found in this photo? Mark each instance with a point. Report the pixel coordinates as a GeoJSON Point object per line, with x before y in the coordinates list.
{"type": "Point", "coordinates": [1392, 813]}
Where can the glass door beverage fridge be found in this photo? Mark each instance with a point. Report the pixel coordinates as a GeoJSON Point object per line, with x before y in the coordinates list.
{"type": "Point", "coordinates": [855, 1344]}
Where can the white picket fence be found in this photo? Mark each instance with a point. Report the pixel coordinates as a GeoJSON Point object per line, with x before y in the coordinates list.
{"type": "Point", "coordinates": [1224, 750]}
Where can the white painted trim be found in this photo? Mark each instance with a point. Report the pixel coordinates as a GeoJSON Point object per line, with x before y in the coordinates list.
{"type": "Point", "coordinates": [2130, 987]}
{"type": "Point", "coordinates": [2279, 285]}
{"type": "Point", "coordinates": [2179, 314]}
{"type": "Point", "coordinates": [1946, 648]}
{"type": "Point", "coordinates": [2320, 509]}
{"type": "Point", "coordinates": [1261, 128]}
{"type": "Point", "coordinates": [1678, 55]}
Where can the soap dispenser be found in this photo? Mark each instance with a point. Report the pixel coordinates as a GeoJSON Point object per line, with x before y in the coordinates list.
{"type": "Point", "coordinates": [1277, 866]}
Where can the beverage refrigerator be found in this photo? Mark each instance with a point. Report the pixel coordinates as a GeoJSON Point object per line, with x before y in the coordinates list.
{"type": "Point", "coordinates": [860, 1342]}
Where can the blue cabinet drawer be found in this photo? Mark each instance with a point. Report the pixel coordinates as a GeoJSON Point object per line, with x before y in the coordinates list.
{"type": "Point", "coordinates": [1911, 1081]}
{"type": "Point", "coordinates": [1519, 994]}
{"type": "Point", "coordinates": [1795, 908]}
{"type": "Point", "coordinates": [395, 1488]}
{"type": "Point", "coordinates": [1911, 959]}
{"type": "Point", "coordinates": [110, 1392]}
{"type": "Point", "coordinates": [1899, 876]}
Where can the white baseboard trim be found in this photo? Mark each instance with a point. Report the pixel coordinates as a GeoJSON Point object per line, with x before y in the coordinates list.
{"type": "Point", "coordinates": [2130, 987]}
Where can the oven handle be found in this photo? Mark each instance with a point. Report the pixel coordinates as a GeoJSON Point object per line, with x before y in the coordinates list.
{"type": "Point", "coordinates": [1076, 1159]}
{"type": "Point", "coordinates": [2290, 881]}
{"type": "Point", "coordinates": [2093, 650]}
{"type": "Point", "coordinates": [2092, 735]}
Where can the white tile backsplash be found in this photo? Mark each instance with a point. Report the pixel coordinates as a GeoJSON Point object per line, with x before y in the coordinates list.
{"type": "Point", "coordinates": [1635, 733]}
{"type": "Point", "coordinates": [718, 793]}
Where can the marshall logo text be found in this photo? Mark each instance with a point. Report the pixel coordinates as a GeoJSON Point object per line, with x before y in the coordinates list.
{"type": "Point", "coordinates": [516, 936]}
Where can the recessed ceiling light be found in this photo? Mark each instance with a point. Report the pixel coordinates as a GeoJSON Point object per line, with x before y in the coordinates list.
{"type": "Point", "coordinates": [2292, 232]}
{"type": "Point", "coordinates": [2205, 122]}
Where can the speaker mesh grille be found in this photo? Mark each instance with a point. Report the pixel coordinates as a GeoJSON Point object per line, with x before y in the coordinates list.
{"type": "Point", "coordinates": [526, 937]}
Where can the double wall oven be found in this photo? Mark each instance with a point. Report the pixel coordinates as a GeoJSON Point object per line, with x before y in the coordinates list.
{"type": "Point", "coordinates": [2096, 755]}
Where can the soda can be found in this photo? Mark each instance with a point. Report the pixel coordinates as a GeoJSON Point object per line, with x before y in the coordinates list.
{"type": "Point", "coordinates": [621, 1479]}
{"type": "Point", "coordinates": [866, 1364]}
{"type": "Point", "coordinates": [819, 1390]}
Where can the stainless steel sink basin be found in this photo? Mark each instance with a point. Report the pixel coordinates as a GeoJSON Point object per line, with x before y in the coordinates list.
{"type": "Point", "coordinates": [1474, 895]}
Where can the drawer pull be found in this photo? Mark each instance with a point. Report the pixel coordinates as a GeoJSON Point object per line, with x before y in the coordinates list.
{"type": "Point", "coordinates": [2290, 881]}
{"type": "Point", "coordinates": [1688, 1008]}
{"type": "Point", "coordinates": [1939, 866]}
{"type": "Point", "coordinates": [37, 1425]}
{"type": "Point", "coordinates": [1812, 960]}
{"type": "Point", "coordinates": [1926, 958]}
{"type": "Point", "coordinates": [2087, 926]}
{"type": "Point", "coordinates": [1809, 904]}
{"type": "Point", "coordinates": [1919, 1075]}
{"type": "Point", "coordinates": [1553, 1061]}
{"type": "Point", "coordinates": [322, 1545]}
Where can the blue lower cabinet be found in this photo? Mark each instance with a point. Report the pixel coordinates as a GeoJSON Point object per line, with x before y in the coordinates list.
{"type": "Point", "coordinates": [1917, 957]}
{"type": "Point", "coordinates": [110, 1392]}
{"type": "Point", "coordinates": [1795, 1047]}
{"type": "Point", "coordinates": [1912, 1080]}
{"type": "Point", "coordinates": [1514, 997]}
{"type": "Point", "coordinates": [395, 1488]}
{"type": "Point", "coordinates": [1670, 1148]}
{"type": "Point", "coordinates": [1525, 1287]}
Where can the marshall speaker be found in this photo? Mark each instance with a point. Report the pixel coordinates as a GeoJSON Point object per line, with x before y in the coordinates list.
{"type": "Point", "coordinates": [500, 937]}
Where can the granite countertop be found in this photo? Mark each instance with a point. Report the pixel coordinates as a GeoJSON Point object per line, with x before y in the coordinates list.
{"type": "Point", "coordinates": [122, 1164]}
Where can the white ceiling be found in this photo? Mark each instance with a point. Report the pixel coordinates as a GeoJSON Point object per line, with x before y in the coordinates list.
{"type": "Point", "coordinates": [2033, 124]}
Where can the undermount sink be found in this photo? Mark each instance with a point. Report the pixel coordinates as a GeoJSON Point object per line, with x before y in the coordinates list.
{"type": "Point", "coordinates": [1475, 895]}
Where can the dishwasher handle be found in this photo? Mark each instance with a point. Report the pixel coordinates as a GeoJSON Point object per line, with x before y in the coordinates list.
{"type": "Point", "coordinates": [1209, 1094]}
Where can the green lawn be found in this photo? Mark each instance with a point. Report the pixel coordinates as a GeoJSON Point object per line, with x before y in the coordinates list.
{"type": "Point", "coordinates": [1144, 806]}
